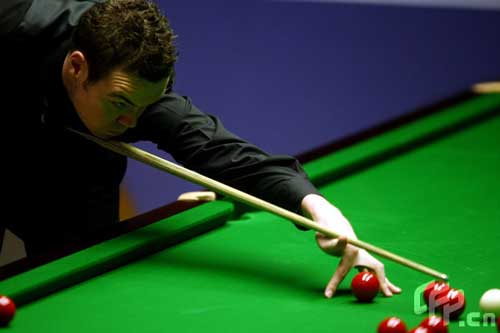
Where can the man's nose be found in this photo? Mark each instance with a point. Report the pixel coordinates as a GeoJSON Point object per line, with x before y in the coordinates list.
{"type": "Point", "coordinates": [128, 121]}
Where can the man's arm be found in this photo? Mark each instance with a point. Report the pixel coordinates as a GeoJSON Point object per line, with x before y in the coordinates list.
{"type": "Point", "coordinates": [200, 142]}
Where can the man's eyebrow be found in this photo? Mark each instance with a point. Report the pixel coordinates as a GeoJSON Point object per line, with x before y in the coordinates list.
{"type": "Point", "coordinates": [118, 95]}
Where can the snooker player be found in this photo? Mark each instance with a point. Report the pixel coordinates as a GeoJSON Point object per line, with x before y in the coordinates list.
{"type": "Point", "coordinates": [107, 68]}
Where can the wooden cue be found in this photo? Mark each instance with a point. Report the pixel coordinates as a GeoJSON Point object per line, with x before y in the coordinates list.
{"type": "Point", "coordinates": [192, 176]}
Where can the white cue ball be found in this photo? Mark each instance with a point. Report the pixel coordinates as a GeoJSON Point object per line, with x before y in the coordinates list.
{"type": "Point", "coordinates": [490, 302]}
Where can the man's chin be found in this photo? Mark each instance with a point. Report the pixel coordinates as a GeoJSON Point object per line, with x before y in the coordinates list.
{"type": "Point", "coordinates": [108, 135]}
{"type": "Point", "coordinates": [101, 135]}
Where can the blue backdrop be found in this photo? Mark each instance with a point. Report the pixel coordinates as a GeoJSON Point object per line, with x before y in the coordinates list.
{"type": "Point", "coordinates": [292, 76]}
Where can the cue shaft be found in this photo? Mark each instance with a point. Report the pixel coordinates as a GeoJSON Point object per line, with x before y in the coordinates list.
{"type": "Point", "coordinates": [192, 176]}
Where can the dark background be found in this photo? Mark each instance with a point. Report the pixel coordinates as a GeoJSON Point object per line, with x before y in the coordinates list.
{"type": "Point", "coordinates": [291, 76]}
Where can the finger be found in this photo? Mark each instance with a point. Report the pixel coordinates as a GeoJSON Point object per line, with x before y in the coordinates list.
{"type": "Point", "coordinates": [382, 279]}
{"type": "Point", "coordinates": [395, 289]}
{"type": "Point", "coordinates": [333, 246]}
{"type": "Point", "coordinates": [341, 244]}
{"type": "Point", "coordinates": [338, 276]}
{"type": "Point", "coordinates": [343, 268]}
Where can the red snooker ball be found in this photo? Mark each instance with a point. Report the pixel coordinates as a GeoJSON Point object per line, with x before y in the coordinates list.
{"type": "Point", "coordinates": [433, 292]}
{"type": "Point", "coordinates": [498, 324]}
{"type": "Point", "coordinates": [435, 324]}
{"type": "Point", "coordinates": [454, 305]}
{"type": "Point", "coordinates": [7, 310]}
{"type": "Point", "coordinates": [419, 329]}
{"type": "Point", "coordinates": [392, 325]}
{"type": "Point", "coordinates": [365, 286]}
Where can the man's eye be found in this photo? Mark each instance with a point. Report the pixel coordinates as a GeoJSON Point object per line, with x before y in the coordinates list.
{"type": "Point", "coordinates": [120, 105]}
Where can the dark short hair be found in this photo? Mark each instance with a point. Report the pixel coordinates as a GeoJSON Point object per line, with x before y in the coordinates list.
{"type": "Point", "coordinates": [132, 34]}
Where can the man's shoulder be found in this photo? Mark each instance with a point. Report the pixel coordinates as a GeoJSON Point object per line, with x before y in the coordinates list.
{"type": "Point", "coordinates": [12, 13]}
{"type": "Point", "coordinates": [173, 103]}
{"type": "Point", "coordinates": [36, 17]}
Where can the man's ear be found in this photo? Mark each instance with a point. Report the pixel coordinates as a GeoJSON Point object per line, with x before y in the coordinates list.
{"type": "Point", "coordinates": [78, 67]}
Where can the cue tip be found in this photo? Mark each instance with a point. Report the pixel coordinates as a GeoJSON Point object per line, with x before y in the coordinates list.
{"type": "Point", "coordinates": [445, 278]}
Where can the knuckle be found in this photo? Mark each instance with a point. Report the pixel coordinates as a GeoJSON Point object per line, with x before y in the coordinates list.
{"type": "Point", "coordinates": [351, 250]}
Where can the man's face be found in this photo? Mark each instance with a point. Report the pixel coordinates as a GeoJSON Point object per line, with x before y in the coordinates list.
{"type": "Point", "coordinates": [113, 104]}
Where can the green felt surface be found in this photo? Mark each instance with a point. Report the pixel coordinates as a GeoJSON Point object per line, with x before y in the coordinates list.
{"type": "Point", "coordinates": [121, 250]}
{"type": "Point", "coordinates": [437, 203]}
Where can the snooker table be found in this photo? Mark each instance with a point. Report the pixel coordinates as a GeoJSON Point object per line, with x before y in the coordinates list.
{"type": "Point", "coordinates": [425, 186]}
